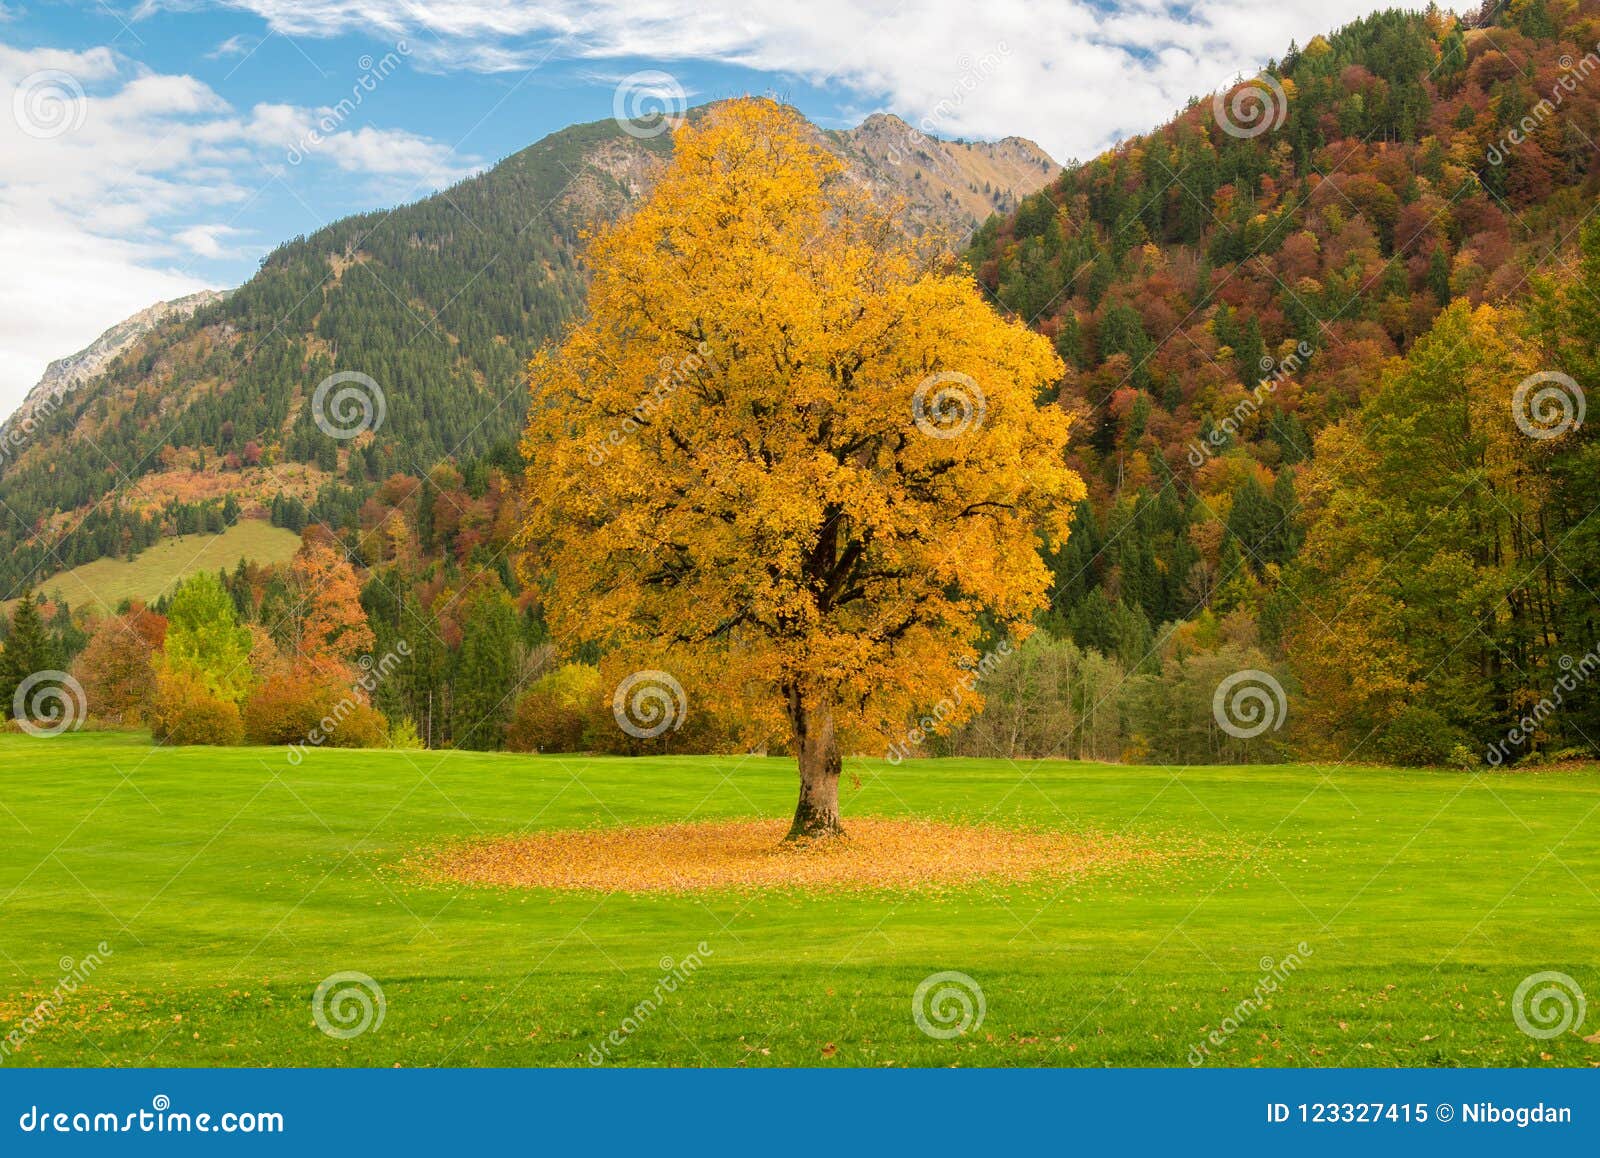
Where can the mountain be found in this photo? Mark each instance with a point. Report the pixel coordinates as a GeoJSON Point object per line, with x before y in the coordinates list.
{"type": "Point", "coordinates": [1223, 289]}
{"type": "Point", "coordinates": [439, 303]}
{"type": "Point", "coordinates": [1326, 334]}
{"type": "Point", "coordinates": [69, 373]}
{"type": "Point", "coordinates": [950, 185]}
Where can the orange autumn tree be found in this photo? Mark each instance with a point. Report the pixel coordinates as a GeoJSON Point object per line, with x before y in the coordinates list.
{"type": "Point", "coordinates": [790, 452]}
{"type": "Point", "coordinates": [327, 629]}
{"type": "Point", "coordinates": [309, 667]}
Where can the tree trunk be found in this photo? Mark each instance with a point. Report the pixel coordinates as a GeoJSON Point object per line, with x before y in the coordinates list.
{"type": "Point", "coordinates": [817, 813]}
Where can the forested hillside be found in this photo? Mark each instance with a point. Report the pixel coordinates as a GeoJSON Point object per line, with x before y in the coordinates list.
{"type": "Point", "coordinates": [439, 303]}
{"type": "Point", "coordinates": [1231, 294]}
{"type": "Point", "coordinates": [1327, 339]}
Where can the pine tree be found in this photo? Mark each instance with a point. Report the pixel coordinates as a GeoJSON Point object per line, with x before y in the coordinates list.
{"type": "Point", "coordinates": [1232, 577]}
{"type": "Point", "coordinates": [1250, 355]}
{"type": "Point", "coordinates": [1069, 340]}
{"type": "Point", "coordinates": [1290, 434]}
{"type": "Point", "coordinates": [1439, 274]}
{"type": "Point", "coordinates": [1089, 622]}
{"type": "Point", "coordinates": [28, 650]}
{"type": "Point", "coordinates": [1075, 565]}
{"type": "Point", "coordinates": [1252, 521]}
{"type": "Point", "coordinates": [425, 497]}
{"type": "Point", "coordinates": [1129, 635]}
{"type": "Point", "coordinates": [486, 670]}
{"type": "Point", "coordinates": [1283, 542]}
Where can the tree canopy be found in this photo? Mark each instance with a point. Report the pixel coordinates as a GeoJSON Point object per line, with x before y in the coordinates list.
{"type": "Point", "coordinates": [790, 450]}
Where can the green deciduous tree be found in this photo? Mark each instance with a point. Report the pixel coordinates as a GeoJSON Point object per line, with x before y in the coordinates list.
{"type": "Point", "coordinates": [204, 639]}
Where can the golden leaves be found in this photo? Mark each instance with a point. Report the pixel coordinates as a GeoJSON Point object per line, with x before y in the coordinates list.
{"type": "Point", "coordinates": [751, 854]}
{"type": "Point", "coordinates": [725, 457]}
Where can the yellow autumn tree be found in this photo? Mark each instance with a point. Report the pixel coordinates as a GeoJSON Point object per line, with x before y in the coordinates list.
{"type": "Point", "coordinates": [1420, 598]}
{"type": "Point", "coordinates": [790, 452]}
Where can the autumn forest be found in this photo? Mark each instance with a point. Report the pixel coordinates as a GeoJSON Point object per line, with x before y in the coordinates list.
{"type": "Point", "coordinates": [1299, 396]}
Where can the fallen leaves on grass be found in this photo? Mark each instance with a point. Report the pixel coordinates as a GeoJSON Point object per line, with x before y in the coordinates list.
{"type": "Point", "coordinates": [751, 854]}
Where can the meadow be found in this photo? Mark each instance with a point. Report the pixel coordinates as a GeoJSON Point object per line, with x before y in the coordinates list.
{"type": "Point", "coordinates": [155, 571]}
{"type": "Point", "coordinates": [216, 888]}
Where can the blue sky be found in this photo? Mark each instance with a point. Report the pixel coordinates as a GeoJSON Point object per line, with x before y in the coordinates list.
{"type": "Point", "coordinates": [161, 146]}
{"type": "Point", "coordinates": [473, 117]}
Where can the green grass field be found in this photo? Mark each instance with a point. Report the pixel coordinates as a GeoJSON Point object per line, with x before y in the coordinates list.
{"type": "Point", "coordinates": [227, 884]}
{"type": "Point", "coordinates": [105, 583]}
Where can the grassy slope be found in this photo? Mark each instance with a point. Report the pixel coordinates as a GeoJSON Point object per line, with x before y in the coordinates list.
{"type": "Point", "coordinates": [228, 883]}
{"type": "Point", "coordinates": [107, 582]}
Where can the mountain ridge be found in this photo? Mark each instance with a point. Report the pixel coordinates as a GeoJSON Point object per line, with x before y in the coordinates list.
{"type": "Point", "coordinates": [73, 370]}
{"type": "Point", "coordinates": [440, 301]}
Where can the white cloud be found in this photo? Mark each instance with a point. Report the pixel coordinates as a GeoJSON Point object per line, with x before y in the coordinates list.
{"type": "Point", "coordinates": [1076, 76]}
{"type": "Point", "coordinates": [149, 167]}
{"type": "Point", "coordinates": [62, 287]}
{"type": "Point", "coordinates": [118, 180]}
{"type": "Point", "coordinates": [208, 240]}
{"type": "Point", "coordinates": [236, 45]}
{"type": "Point", "coordinates": [301, 134]}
